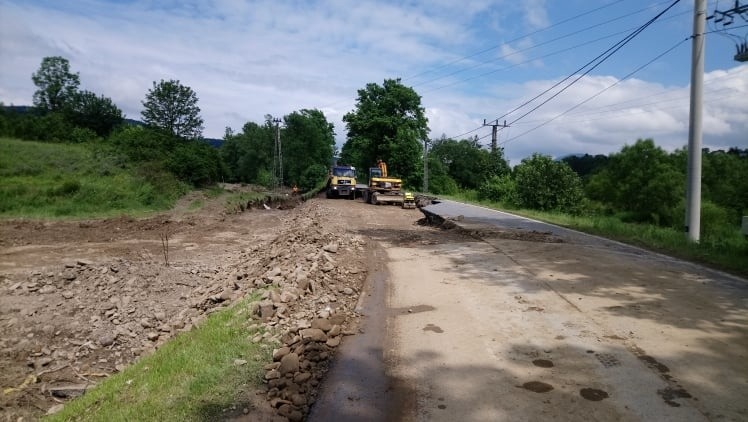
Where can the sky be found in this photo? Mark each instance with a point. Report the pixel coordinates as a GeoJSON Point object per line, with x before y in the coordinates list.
{"type": "Point", "coordinates": [470, 61]}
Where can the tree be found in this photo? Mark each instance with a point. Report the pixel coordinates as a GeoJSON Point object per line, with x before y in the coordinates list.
{"type": "Point", "coordinates": [97, 113]}
{"type": "Point", "coordinates": [388, 123]}
{"type": "Point", "coordinates": [56, 84]}
{"type": "Point", "coordinates": [308, 140]}
{"type": "Point", "coordinates": [545, 184]}
{"type": "Point", "coordinates": [171, 106]}
{"type": "Point", "coordinates": [465, 162]}
{"type": "Point", "coordinates": [249, 153]}
{"type": "Point", "coordinates": [643, 180]}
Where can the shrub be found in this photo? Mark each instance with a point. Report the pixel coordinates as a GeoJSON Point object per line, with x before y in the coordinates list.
{"type": "Point", "coordinates": [312, 176]}
{"type": "Point", "coordinates": [544, 184]}
{"type": "Point", "coordinates": [499, 189]}
{"type": "Point", "coordinates": [443, 184]}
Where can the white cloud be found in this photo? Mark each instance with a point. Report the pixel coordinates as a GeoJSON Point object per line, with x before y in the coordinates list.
{"type": "Point", "coordinates": [631, 110]}
{"type": "Point", "coordinates": [248, 59]}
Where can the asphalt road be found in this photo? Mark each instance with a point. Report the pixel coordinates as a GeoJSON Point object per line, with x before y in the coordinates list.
{"type": "Point", "coordinates": [535, 322]}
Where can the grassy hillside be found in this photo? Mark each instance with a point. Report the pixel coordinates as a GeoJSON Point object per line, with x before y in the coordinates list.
{"type": "Point", "coordinates": [46, 180]}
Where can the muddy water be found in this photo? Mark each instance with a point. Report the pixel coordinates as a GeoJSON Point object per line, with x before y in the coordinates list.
{"type": "Point", "coordinates": [357, 387]}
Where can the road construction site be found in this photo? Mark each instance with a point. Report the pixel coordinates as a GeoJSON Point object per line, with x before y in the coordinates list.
{"type": "Point", "coordinates": [468, 314]}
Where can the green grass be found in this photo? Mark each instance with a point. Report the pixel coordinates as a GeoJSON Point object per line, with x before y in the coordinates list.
{"type": "Point", "coordinates": [726, 249]}
{"type": "Point", "coordinates": [196, 205]}
{"type": "Point", "coordinates": [192, 377]}
{"type": "Point", "coordinates": [52, 180]}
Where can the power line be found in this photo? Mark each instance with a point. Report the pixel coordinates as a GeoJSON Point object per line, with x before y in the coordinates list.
{"type": "Point", "coordinates": [608, 54]}
{"type": "Point", "coordinates": [594, 63]}
{"type": "Point", "coordinates": [588, 99]}
{"type": "Point", "coordinates": [540, 57]}
{"type": "Point", "coordinates": [555, 39]}
{"type": "Point", "coordinates": [513, 40]}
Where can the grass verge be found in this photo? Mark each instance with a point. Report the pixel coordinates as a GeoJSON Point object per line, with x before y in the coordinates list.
{"type": "Point", "coordinates": [192, 377]}
{"type": "Point", "coordinates": [49, 180]}
{"type": "Point", "coordinates": [727, 251]}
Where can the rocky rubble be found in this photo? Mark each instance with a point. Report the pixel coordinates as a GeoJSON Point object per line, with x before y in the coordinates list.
{"type": "Point", "coordinates": [313, 278]}
{"type": "Point", "coordinates": [84, 320]}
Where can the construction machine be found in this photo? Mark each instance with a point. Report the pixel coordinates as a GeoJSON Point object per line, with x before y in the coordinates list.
{"type": "Point", "coordinates": [383, 189]}
{"type": "Point", "coordinates": [341, 181]}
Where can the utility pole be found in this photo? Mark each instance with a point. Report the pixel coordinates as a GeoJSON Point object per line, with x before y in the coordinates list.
{"type": "Point", "coordinates": [494, 132]}
{"type": "Point", "coordinates": [693, 191]}
{"type": "Point", "coordinates": [426, 166]}
{"type": "Point", "coordinates": [277, 157]}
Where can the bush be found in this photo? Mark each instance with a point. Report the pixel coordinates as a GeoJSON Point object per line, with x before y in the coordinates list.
{"type": "Point", "coordinates": [264, 178]}
{"type": "Point", "coordinates": [195, 162]}
{"type": "Point", "coordinates": [544, 184]}
{"type": "Point", "coordinates": [499, 189]}
{"type": "Point", "coordinates": [443, 184]}
{"type": "Point", "coordinates": [81, 135]}
{"type": "Point", "coordinates": [312, 176]}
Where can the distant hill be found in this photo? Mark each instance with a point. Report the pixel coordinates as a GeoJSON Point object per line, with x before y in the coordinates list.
{"type": "Point", "coordinates": [24, 109]}
{"type": "Point", "coordinates": [18, 109]}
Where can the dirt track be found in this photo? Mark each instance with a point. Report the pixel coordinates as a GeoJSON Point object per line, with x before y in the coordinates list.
{"type": "Point", "coordinates": [466, 326]}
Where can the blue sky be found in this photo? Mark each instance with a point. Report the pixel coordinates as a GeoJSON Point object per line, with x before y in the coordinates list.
{"type": "Point", "coordinates": [469, 61]}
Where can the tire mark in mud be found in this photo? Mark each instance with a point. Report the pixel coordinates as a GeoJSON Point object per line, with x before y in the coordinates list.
{"type": "Point", "coordinates": [674, 390]}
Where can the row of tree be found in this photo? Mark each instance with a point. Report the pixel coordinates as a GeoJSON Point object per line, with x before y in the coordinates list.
{"type": "Point", "coordinates": [642, 181]}
{"type": "Point", "coordinates": [308, 142]}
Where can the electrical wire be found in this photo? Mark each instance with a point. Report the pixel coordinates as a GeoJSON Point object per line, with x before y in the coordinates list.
{"type": "Point", "coordinates": [592, 64]}
{"type": "Point", "coordinates": [481, 75]}
{"type": "Point", "coordinates": [577, 32]}
{"type": "Point", "coordinates": [615, 107]}
{"type": "Point", "coordinates": [478, 53]}
{"type": "Point", "coordinates": [588, 99]}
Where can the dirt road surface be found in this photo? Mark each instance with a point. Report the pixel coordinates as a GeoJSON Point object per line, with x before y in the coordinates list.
{"type": "Point", "coordinates": [494, 318]}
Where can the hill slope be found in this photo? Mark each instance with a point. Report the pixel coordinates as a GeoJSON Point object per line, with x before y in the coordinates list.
{"type": "Point", "coordinates": [77, 180]}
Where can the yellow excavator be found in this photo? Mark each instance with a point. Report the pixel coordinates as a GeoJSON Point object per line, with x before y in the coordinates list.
{"type": "Point", "coordinates": [383, 189]}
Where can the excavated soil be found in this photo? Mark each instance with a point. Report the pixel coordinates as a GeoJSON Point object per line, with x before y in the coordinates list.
{"type": "Point", "coordinates": [80, 300]}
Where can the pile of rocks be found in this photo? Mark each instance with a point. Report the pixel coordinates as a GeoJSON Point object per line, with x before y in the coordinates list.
{"type": "Point", "coordinates": [84, 320]}
{"type": "Point", "coordinates": [313, 278]}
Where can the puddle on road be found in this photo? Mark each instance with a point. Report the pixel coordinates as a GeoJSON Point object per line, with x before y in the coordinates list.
{"type": "Point", "coordinates": [543, 363]}
{"type": "Point", "coordinates": [593, 394]}
{"type": "Point", "coordinates": [537, 386]}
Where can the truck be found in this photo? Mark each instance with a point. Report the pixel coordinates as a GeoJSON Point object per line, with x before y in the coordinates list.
{"type": "Point", "coordinates": [341, 182]}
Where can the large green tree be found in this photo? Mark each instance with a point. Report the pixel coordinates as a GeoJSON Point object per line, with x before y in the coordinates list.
{"type": "Point", "coordinates": [56, 84]}
{"type": "Point", "coordinates": [249, 153]}
{"type": "Point", "coordinates": [171, 106]}
{"type": "Point", "coordinates": [308, 141]}
{"type": "Point", "coordinates": [642, 180]}
{"type": "Point", "coordinates": [388, 123]}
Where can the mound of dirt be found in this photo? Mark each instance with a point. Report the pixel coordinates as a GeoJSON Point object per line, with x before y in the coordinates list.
{"type": "Point", "coordinates": [69, 322]}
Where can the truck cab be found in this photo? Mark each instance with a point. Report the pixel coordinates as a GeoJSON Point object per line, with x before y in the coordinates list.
{"type": "Point", "coordinates": [341, 182]}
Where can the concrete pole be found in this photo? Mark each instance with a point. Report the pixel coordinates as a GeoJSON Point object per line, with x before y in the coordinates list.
{"type": "Point", "coordinates": [693, 190]}
{"type": "Point", "coordinates": [494, 136]}
{"type": "Point", "coordinates": [425, 166]}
